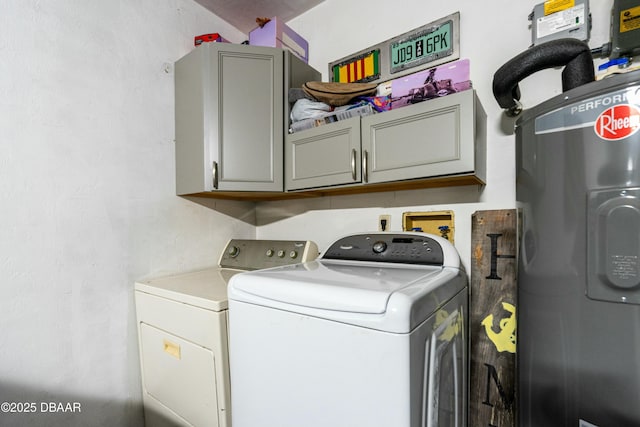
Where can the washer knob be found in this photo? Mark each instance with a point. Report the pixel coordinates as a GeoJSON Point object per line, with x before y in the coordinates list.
{"type": "Point", "coordinates": [293, 254]}
{"type": "Point", "coordinates": [270, 252]}
{"type": "Point", "coordinates": [280, 253]}
{"type": "Point", "coordinates": [234, 251]}
{"type": "Point", "coordinates": [379, 247]}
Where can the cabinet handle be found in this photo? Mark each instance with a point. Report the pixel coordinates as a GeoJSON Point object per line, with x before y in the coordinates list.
{"type": "Point", "coordinates": [353, 164]}
{"type": "Point", "coordinates": [215, 175]}
{"type": "Point", "coordinates": [365, 165]}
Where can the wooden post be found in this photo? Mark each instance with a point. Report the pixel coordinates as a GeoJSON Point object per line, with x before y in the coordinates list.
{"type": "Point", "coordinates": [494, 249]}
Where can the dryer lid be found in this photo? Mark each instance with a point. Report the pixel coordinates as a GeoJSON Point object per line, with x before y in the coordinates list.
{"type": "Point", "coordinates": [205, 288]}
{"type": "Point", "coordinates": [357, 287]}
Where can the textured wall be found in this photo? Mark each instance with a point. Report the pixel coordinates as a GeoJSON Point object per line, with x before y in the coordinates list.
{"type": "Point", "coordinates": [87, 200]}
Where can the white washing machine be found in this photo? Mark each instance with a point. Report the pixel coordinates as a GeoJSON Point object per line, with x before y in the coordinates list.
{"type": "Point", "coordinates": [372, 334]}
{"type": "Point", "coordinates": [183, 334]}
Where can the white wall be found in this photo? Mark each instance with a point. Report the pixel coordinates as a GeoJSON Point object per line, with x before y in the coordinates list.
{"type": "Point", "coordinates": [492, 32]}
{"type": "Point", "coordinates": [87, 199]}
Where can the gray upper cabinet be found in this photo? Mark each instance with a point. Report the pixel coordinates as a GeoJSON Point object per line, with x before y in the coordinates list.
{"type": "Point", "coordinates": [324, 156]}
{"type": "Point", "coordinates": [442, 140]}
{"type": "Point", "coordinates": [439, 137]}
{"type": "Point", "coordinates": [229, 119]}
{"type": "Point", "coordinates": [232, 117]}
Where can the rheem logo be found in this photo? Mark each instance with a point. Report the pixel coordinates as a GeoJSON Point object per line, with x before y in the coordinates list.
{"type": "Point", "coordinates": [618, 122]}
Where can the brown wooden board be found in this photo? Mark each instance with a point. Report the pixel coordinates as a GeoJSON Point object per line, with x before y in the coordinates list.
{"type": "Point", "coordinates": [494, 249]}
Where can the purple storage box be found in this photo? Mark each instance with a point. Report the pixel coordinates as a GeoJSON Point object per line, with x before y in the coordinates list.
{"type": "Point", "coordinates": [276, 33]}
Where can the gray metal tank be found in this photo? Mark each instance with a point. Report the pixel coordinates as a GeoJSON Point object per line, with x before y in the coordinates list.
{"type": "Point", "coordinates": [578, 184]}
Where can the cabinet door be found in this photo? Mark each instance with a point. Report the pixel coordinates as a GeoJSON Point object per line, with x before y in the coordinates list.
{"type": "Point", "coordinates": [324, 156]}
{"type": "Point", "coordinates": [433, 138]}
{"type": "Point", "coordinates": [229, 115]}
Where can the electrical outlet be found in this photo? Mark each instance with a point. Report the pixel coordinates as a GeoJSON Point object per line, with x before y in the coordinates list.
{"type": "Point", "coordinates": [384, 222]}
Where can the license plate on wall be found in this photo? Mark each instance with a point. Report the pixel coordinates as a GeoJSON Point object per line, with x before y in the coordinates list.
{"type": "Point", "coordinates": [427, 46]}
{"type": "Point", "coordinates": [423, 47]}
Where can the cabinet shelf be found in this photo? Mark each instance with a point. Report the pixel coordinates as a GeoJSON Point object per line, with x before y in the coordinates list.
{"type": "Point", "coordinates": [413, 184]}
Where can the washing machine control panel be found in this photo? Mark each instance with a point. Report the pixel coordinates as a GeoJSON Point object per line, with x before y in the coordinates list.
{"type": "Point", "coordinates": [248, 254]}
{"type": "Point", "coordinates": [386, 247]}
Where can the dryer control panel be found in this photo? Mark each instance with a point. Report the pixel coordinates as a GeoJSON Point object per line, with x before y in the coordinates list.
{"type": "Point", "coordinates": [401, 248]}
{"type": "Point", "coordinates": [251, 254]}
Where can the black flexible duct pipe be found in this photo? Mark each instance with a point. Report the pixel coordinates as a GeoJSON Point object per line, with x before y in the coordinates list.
{"type": "Point", "coordinates": [573, 54]}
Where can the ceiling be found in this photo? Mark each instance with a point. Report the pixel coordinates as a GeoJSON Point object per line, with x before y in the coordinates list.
{"type": "Point", "coordinates": [242, 14]}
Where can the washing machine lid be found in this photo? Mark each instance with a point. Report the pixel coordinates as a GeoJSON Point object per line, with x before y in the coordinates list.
{"type": "Point", "coordinates": [334, 285]}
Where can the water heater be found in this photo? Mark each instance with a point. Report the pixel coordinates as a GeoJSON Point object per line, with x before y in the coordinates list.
{"type": "Point", "coordinates": [578, 187]}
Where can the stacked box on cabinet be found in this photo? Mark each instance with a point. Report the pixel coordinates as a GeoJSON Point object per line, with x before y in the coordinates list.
{"type": "Point", "coordinates": [276, 33]}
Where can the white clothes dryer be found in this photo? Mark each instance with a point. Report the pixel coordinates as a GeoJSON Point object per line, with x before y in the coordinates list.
{"type": "Point", "coordinates": [372, 334]}
{"type": "Point", "coordinates": [183, 334]}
